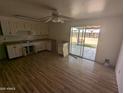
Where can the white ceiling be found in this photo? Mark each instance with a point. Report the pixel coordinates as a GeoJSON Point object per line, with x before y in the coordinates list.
{"type": "Point", "coordinates": [79, 9]}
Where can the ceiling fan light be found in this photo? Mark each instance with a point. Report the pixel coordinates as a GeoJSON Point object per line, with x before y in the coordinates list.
{"type": "Point", "coordinates": [53, 21]}
{"type": "Point", "coordinates": [62, 21]}
{"type": "Point", "coordinates": [57, 20]}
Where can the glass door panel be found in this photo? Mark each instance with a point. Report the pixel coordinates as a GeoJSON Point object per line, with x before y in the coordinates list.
{"type": "Point", "coordinates": [90, 43]}
{"type": "Point", "coordinates": [76, 39]}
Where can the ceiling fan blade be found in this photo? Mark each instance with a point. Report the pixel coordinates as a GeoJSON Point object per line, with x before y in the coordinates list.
{"type": "Point", "coordinates": [48, 20]}
{"type": "Point", "coordinates": [44, 18]}
{"type": "Point", "coordinates": [66, 17]}
{"type": "Point", "coordinates": [25, 17]}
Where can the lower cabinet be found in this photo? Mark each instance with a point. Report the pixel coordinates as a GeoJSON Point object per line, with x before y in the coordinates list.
{"type": "Point", "coordinates": [42, 45]}
{"type": "Point", "coordinates": [14, 50]}
{"type": "Point", "coordinates": [39, 46]}
{"type": "Point", "coordinates": [48, 45]}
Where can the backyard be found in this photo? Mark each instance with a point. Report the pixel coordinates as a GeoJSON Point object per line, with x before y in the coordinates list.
{"type": "Point", "coordinates": [89, 42]}
{"type": "Point", "coordinates": [86, 50]}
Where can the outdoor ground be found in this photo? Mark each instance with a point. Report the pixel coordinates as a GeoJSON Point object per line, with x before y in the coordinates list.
{"type": "Point", "coordinates": [89, 48]}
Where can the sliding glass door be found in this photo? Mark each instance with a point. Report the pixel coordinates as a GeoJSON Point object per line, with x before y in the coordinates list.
{"type": "Point", "coordinates": [83, 41]}
{"type": "Point", "coordinates": [76, 41]}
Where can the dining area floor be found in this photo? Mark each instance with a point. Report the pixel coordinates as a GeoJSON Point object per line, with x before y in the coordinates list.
{"type": "Point", "coordinates": [47, 72]}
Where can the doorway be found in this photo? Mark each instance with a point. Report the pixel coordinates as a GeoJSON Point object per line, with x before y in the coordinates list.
{"type": "Point", "coordinates": [84, 41]}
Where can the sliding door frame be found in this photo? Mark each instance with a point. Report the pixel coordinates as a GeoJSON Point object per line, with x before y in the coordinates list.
{"type": "Point", "coordinates": [82, 42]}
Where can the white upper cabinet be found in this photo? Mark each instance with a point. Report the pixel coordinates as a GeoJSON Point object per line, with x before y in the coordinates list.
{"type": "Point", "coordinates": [11, 27]}
{"type": "Point", "coordinates": [20, 26]}
{"type": "Point", "coordinates": [33, 29]}
{"type": "Point", "coordinates": [6, 27]}
{"type": "Point", "coordinates": [27, 26]}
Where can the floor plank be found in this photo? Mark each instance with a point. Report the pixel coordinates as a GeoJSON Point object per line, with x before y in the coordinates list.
{"type": "Point", "coordinates": [49, 73]}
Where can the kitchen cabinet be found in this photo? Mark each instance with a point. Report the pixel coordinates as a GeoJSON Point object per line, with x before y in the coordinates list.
{"type": "Point", "coordinates": [39, 46]}
{"type": "Point", "coordinates": [6, 27]}
{"type": "Point", "coordinates": [20, 26]}
{"type": "Point", "coordinates": [11, 51]}
{"type": "Point", "coordinates": [42, 45]}
{"type": "Point", "coordinates": [13, 27]}
{"type": "Point", "coordinates": [27, 26]}
{"type": "Point", "coordinates": [10, 27]}
{"type": "Point", "coordinates": [18, 50]}
{"type": "Point", "coordinates": [34, 29]}
{"type": "Point", "coordinates": [48, 45]}
{"type": "Point", "coordinates": [14, 50]}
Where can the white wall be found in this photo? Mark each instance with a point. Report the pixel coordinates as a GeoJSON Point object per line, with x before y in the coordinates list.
{"type": "Point", "coordinates": [119, 70]}
{"type": "Point", "coordinates": [109, 40]}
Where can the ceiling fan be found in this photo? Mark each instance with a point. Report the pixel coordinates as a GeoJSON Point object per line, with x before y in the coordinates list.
{"type": "Point", "coordinates": [55, 17]}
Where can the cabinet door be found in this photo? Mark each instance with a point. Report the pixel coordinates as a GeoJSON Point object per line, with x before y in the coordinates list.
{"type": "Point", "coordinates": [43, 45]}
{"type": "Point", "coordinates": [9, 27]}
{"type": "Point", "coordinates": [27, 26]}
{"type": "Point", "coordinates": [6, 27]}
{"type": "Point", "coordinates": [48, 45]}
{"type": "Point", "coordinates": [13, 28]}
{"type": "Point", "coordinates": [14, 50]}
{"type": "Point", "coordinates": [20, 26]}
{"type": "Point", "coordinates": [39, 46]}
{"type": "Point", "coordinates": [33, 29]}
{"type": "Point", "coordinates": [11, 51]}
{"type": "Point", "coordinates": [18, 50]}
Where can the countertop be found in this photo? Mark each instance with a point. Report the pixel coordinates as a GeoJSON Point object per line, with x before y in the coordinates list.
{"type": "Point", "coordinates": [22, 41]}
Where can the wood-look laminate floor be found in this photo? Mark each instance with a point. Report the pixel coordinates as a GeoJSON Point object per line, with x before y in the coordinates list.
{"type": "Point", "coordinates": [49, 73]}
